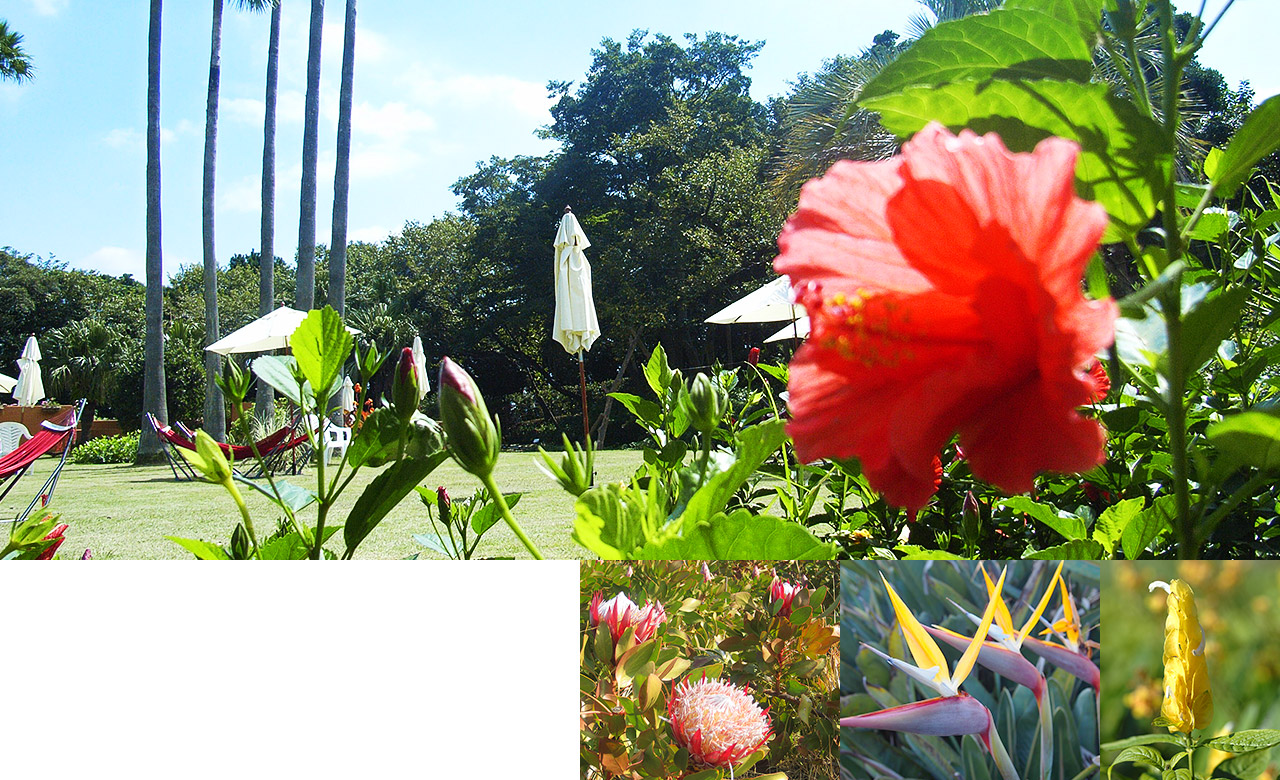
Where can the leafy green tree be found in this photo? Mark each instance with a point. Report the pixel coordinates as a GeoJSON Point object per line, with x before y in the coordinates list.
{"type": "Point", "coordinates": [85, 355]}
{"type": "Point", "coordinates": [15, 64]}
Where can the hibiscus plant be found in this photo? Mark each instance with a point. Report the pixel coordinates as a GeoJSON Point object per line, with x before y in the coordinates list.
{"type": "Point", "coordinates": [708, 670]}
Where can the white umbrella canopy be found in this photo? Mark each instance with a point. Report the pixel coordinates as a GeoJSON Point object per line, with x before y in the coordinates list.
{"type": "Point", "coordinates": [770, 303]}
{"type": "Point", "coordinates": [268, 332]}
{"type": "Point", "coordinates": [575, 325]}
{"type": "Point", "coordinates": [30, 388]}
{"type": "Point", "coordinates": [7, 383]}
{"type": "Point", "coordinates": [347, 396]}
{"type": "Point", "coordinates": [796, 330]}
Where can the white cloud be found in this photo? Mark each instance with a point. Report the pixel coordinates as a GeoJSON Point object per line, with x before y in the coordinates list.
{"type": "Point", "coordinates": [244, 195]}
{"type": "Point", "coordinates": [136, 140]}
{"type": "Point", "coordinates": [375, 162]}
{"type": "Point", "coordinates": [393, 120]}
{"type": "Point", "coordinates": [248, 110]}
{"type": "Point", "coordinates": [114, 261]}
{"type": "Point", "coordinates": [524, 98]}
{"type": "Point", "coordinates": [48, 7]}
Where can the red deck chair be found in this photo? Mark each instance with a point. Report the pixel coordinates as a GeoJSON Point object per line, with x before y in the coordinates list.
{"type": "Point", "coordinates": [273, 449]}
{"type": "Point", "coordinates": [59, 432]}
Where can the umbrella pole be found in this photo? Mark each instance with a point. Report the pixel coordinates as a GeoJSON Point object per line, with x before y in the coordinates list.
{"type": "Point", "coordinates": [582, 379]}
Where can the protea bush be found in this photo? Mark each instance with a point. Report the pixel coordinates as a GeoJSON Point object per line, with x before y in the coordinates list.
{"type": "Point", "coordinates": [692, 670]}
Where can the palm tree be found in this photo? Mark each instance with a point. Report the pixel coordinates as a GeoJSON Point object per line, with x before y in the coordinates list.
{"type": "Point", "coordinates": [310, 141]}
{"type": "Point", "coordinates": [153, 390]}
{"type": "Point", "coordinates": [342, 168]}
{"type": "Point", "coordinates": [15, 65]}
{"type": "Point", "coordinates": [214, 417]}
{"type": "Point", "coordinates": [86, 353]}
{"type": "Point", "coordinates": [267, 259]}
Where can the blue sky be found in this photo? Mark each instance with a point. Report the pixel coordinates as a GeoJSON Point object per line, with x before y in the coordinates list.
{"type": "Point", "coordinates": [439, 87]}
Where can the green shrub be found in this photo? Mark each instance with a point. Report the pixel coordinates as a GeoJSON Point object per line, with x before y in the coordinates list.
{"type": "Point", "coordinates": [107, 449]}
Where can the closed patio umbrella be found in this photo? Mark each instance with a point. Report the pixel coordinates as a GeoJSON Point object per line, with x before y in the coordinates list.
{"type": "Point", "coordinates": [30, 388]}
{"type": "Point", "coordinates": [347, 398]}
{"type": "Point", "coordinates": [575, 325]}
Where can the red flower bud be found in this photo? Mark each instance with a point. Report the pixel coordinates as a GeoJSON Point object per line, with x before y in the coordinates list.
{"type": "Point", "coordinates": [753, 357]}
{"type": "Point", "coordinates": [406, 388]}
{"type": "Point", "coordinates": [57, 535]}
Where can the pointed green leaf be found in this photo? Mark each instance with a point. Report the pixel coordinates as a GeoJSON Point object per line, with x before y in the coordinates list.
{"type": "Point", "coordinates": [1255, 139]}
{"type": "Point", "coordinates": [1074, 550]}
{"type": "Point", "coordinates": [1208, 323]}
{"type": "Point", "coordinates": [321, 345]}
{"type": "Point", "coordinates": [484, 519]}
{"type": "Point", "coordinates": [382, 494]}
{"type": "Point", "coordinates": [1147, 527]}
{"type": "Point", "coordinates": [277, 371]}
{"type": "Point", "coordinates": [1248, 439]}
{"type": "Point", "coordinates": [1113, 521]}
{"type": "Point", "coordinates": [741, 536]}
{"type": "Point", "coordinates": [204, 551]}
{"type": "Point", "coordinates": [1069, 527]}
{"type": "Point", "coordinates": [1123, 162]}
{"type": "Point", "coordinates": [755, 445]}
{"type": "Point", "coordinates": [293, 496]}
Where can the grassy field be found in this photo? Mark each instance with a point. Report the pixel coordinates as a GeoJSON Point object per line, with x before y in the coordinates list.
{"type": "Point", "coordinates": [125, 512]}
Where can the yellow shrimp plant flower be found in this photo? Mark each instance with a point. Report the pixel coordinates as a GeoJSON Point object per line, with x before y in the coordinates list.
{"type": "Point", "coordinates": [1188, 703]}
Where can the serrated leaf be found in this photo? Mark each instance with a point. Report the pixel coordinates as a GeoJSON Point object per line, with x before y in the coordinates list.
{"type": "Point", "coordinates": [1143, 529]}
{"type": "Point", "coordinates": [1074, 550]}
{"type": "Point", "coordinates": [741, 536]}
{"type": "Point", "coordinates": [277, 371]}
{"type": "Point", "coordinates": [1123, 163]}
{"type": "Point", "coordinates": [1111, 524]}
{"type": "Point", "coordinates": [489, 514]}
{"type": "Point", "coordinates": [1245, 741]}
{"type": "Point", "coordinates": [1041, 40]}
{"type": "Point", "coordinates": [321, 345]}
{"type": "Point", "coordinates": [1142, 739]}
{"type": "Point", "coordinates": [1069, 527]}
{"type": "Point", "coordinates": [1208, 323]}
{"type": "Point", "coordinates": [1248, 439]}
{"type": "Point", "coordinates": [286, 494]}
{"type": "Point", "coordinates": [204, 551]}
{"type": "Point", "coordinates": [1255, 139]}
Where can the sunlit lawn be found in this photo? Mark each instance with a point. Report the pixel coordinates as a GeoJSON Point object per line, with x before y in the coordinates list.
{"type": "Point", "coordinates": [127, 511]}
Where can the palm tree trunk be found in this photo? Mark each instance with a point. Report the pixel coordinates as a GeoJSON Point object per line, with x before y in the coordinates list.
{"type": "Point", "coordinates": [215, 423]}
{"type": "Point", "coordinates": [153, 390]}
{"type": "Point", "coordinates": [267, 259]}
{"type": "Point", "coordinates": [342, 168]}
{"type": "Point", "coordinates": [306, 290]}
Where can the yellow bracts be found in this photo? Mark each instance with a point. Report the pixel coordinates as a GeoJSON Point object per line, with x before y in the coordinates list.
{"type": "Point", "coordinates": [1188, 703]}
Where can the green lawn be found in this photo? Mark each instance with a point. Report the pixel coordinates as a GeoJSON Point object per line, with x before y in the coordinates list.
{"type": "Point", "coordinates": [126, 511]}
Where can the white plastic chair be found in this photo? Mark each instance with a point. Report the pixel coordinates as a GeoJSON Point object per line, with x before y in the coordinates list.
{"type": "Point", "coordinates": [333, 438]}
{"type": "Point", "coordinates": [12, 434]}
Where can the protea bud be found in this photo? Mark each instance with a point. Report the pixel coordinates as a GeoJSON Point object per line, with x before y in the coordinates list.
{"type": "Point", "coordinates": [783, 592]}
{"type": "Point", "coordinates": [406, 388]}
{"type": "Point", "coordinates": [719, 723]}
{"type": "Point", "coordinates": [1188, 703]}
{"type": "Point", "coordinates": [706, 404]}
{"type": "Point", "coordinates": [621, 613]}
{"type": "Point", "coordinates": [475, 438]}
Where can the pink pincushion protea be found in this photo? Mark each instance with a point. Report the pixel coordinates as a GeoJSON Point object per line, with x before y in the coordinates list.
{"type": "Point", "coordinates": [785, 592]}
{"type": "Point", "coordinates": [717, 722]}
{"type": "Point", "coordinates": [621, 613]}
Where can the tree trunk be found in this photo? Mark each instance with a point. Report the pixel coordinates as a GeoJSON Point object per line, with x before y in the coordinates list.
{"type": "Point", "coordinates": [602, 424]}
{"type": "Point", "coordinates": [215, 423]}
{"type": "Point", "coordinates": [86, 421]}
{"type": "Point", "coordinates": [267, 259]}
{"type": "Point", "coordinates": [306, 289]}
{"type": "Point", "coordinates": [153, 390]}
{"type": "Point", "coordinates": [342, 168]}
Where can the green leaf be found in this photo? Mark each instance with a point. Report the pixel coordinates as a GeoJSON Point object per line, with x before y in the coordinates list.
{"type": "Point", "coordinates": [1245, 741]}
{"type": "Point", "coordinates": [377, 441]}
{"type": "Point", "coordinates": [1113, 521]}
{"type": "Point", "coordinates": [1255, 139]}
{"type": "Point", "coordinates": [1069, 527]}
{"type": "Point", "coordinates": [914, 552]}
{"type": "Point", "coordinates": [613, 520]}
{"type": "Point", "coordinates": [1147, 755]}
{"type": "Point", "coordinates": [1143, 529]}
{"type": "Point", "coordinates": [741, 536]}
{"type": "Point", "coordinates": [1142, 739]}
{"type": "Point", "coordinates": [1023, 40]}
{"type": "Point", "coordinates": [382, 494]}
{"type": "Point", "coordinates": [290, 495]}
{"type": "Point", "coordinates": [1123, 161]}
{"type": "Point", "coordinates": [204, 551]}
{"type": "Point", "coordinates": [321, 345]}
{"type": "Point", "coordinates": [277, 371]}
{"type": "Point", "coordinates": [489, 514]}
{"type": "Point", "coordinates": [644, 410]}
{"type": "Point", "coordinates": [435, 543]}
{"type": "Point", "coordinates": [290, 547]}
{"type": "Point", "coordinates": [657, 372]}
{"type": "Point", "coordinates": [1248, 439]}
{"type": "Point", "coordinates": [1210, 226]}
{"type": "Point", "coordinates": [1208, 323]}
{"type": "Point", "coordinates": [1074, 550]}
{"type": "Point", "coordinates": [754, 446]}
{"type": "Point", "coordinates": [1244, 766]}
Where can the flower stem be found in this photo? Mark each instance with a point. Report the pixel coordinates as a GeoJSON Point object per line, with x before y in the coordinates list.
{"type": "Point", "coordinates": [496, 494]}
{"type": "Point", "coordinates": [244, 515]}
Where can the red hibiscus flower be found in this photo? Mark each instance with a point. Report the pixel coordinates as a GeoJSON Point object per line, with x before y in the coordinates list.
{"type": "Point", "coordinates": [1101, 382]}
{"type": "Point", "coordinates": [943, 291]}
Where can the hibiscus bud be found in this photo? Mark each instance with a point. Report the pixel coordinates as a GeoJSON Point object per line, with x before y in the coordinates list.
{"type": "Point", "coordinates": [753, 357]}
{"type": "Point", "coordinates": [970, 519]}
{"type": "Point", "coordinates": [234, 382]}
{"type": "Point", "coordinates": [706, 404]}
{"type": "Point", "coordinates": [88, 555]}
{"type": "Point", "coordinates": [475, 438]}
{"type": "Point", "coordinates": [208, 459]}
{"type": "Point", "coordinates": [57, 536]}
{"type": "Point", "coordinates": [443, 504]}
{"type": "Point", "coordinates": [406, 387]}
